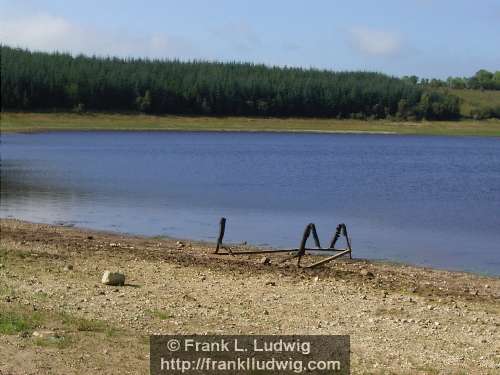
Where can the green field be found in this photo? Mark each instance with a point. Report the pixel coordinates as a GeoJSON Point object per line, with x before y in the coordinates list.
{"type": "Point", "coordinates": [38, 122]}
{"type": "Point", "coordinates": [476, 99]}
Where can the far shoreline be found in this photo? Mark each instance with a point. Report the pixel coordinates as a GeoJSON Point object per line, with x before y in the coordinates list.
{"type": "Point", "coordinates": [20, 122]}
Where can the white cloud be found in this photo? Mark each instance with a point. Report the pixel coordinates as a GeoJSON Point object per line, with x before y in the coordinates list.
{"type": "Point", "coordinates": [374, 42]}
{"type": "Point", "coordinates": [46, 32]}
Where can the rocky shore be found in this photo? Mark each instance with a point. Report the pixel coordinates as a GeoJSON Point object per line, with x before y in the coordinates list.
{"type": "Point", "coordinates": [56, 316]}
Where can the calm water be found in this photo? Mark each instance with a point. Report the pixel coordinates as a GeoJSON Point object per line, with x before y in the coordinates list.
{"type": "Point", "coordinates": [424, 200]}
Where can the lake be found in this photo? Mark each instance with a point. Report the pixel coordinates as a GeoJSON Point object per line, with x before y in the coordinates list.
{"type": "Point", "coordinates": [425, 200]}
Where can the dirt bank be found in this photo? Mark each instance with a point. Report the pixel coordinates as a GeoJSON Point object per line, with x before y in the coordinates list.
{"type": "Point", "coordinates": [402, 319]}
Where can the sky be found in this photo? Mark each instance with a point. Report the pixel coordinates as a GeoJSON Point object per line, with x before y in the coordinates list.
{"type": "Point", "coordinates": [427, 38]}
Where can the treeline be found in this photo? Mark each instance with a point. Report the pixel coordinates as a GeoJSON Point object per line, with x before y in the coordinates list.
{"type": "Point", "coordinates": [482, 80]}
{"type": "Point", "coordinates": [58, 81]}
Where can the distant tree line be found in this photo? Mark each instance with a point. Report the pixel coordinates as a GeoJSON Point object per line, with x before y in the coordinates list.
{"type": "Point", "coordinates": [482, 80]}
{"type": "Point", "coordinates": [59, 81]}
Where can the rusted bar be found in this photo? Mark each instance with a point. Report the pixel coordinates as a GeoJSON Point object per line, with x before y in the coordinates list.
{"type": "Point", "coordinates": [336, 236]}
{"type": "Point", "coordinates": [269, 251]}
{"type": "Point", "coordinates": [348, 240]}
{"type": "Point", "coordinates": [341, 230]}
{"type": "Point", "coordinates": [315, 235]}
{"type": "Point", "coordinates": [250, 252]}
{"type": "Point", "coordinates": [302, 248]}
{"type": "Point", "coordinates": [329, 259]}
{"type": "Point", "coordinates": [305, 236]}
{"type": "Point", "coordinates": [222, 230]}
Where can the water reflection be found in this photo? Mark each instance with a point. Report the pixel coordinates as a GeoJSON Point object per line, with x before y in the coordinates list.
{"type": "Point", "coordinates": [425, 200]}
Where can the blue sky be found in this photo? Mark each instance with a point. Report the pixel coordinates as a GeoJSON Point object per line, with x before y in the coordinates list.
{"type": "Point", "coordinates": [429, 38]}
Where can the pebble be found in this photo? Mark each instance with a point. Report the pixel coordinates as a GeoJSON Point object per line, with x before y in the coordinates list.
{"type": "Point", "coordinates": [265, 260]}
{"type": "Point", "coordinates": [45, 334]}
{"type": "Point", "coordinates": [366, 273]}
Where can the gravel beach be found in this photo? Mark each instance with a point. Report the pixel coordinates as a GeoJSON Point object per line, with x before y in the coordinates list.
{"type": "Point", "coordinates": [57, 317]}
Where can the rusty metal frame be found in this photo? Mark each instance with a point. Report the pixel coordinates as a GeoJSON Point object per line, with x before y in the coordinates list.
{"type": "Point", "coordinates": [300, 252]}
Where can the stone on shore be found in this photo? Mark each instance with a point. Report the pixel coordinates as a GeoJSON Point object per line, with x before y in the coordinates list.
{"type": "Point", "coordinates": [367, 273]}
{"type": "Point", "coordinates": [265, 260]}
{"type": "Point", "coordinates": [113, 278]}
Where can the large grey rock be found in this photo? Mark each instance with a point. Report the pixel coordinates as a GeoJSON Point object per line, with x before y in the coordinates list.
{"type": "Point", "coordinates": [113, 278]}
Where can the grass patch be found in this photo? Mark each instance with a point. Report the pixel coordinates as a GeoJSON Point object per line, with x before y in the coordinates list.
{"type": "Point", "coordinates": [35, 122]}
{"type": "Point", "coordinates": [20, 254]}
{"type": "Point", "coordinates": [162, 315]}
{"type": "Point", "coordinates": [66, 330]}
{"type": "Point", "coordinates": [7, 255]}
{"type": "Point", "coordinates": [15, 319]}
{"type": "Point", "coordinates": [112, 332]}
{"type": "Point", "coordinates": [40, 296]}
{"type": "Point", "coordinates": [473, 100]}
{"type": "Point", "coordinates": [7, 291]}
{"type": "Point", "coordinates": [86, 325]}
{"type": "Point", "coordinates": [61, 342]}
{"type": "Point", "coordinates": [394, 312]}
{"type": "Point", "coordinates": [82, 324]}
{"type": "Point", "coordinates": [13, 322]}
{"type": "Point", "coordinates": [427, 370]}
